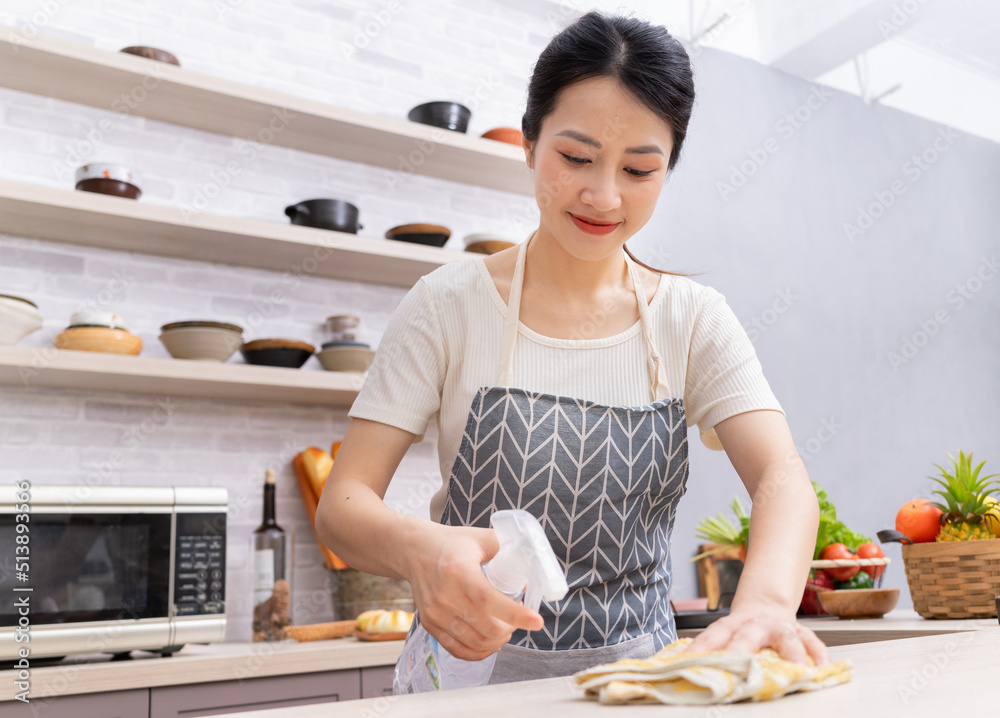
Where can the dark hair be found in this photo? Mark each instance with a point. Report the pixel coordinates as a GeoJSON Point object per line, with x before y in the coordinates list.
{"type": "Point", "coordinates": [644, 58]}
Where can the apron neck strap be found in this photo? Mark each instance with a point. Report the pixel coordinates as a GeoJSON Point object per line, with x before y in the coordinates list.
{"type": "Point", "coordinates": [505, 370]}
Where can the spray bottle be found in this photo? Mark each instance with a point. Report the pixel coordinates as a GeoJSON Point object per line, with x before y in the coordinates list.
{"type": "Point", "coordinates": [524, 567]}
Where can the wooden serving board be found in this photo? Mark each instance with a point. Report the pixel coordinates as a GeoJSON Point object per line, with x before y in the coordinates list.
{"type": "Point", "coordinates": [381, 636]}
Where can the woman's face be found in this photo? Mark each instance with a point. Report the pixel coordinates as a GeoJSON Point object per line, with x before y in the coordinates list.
{"type": "Point", "coordinates": [600, 161]}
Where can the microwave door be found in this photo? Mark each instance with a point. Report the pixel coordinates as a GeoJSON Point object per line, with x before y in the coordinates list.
{"type": "Point", "coordinates": [91, 567]}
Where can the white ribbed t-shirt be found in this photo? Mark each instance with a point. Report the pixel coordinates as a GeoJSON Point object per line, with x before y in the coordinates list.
{"type": "Point", "coordinates": [443, 344]}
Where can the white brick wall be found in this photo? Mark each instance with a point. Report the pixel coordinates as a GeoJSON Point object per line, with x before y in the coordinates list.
{"type": "Point", "coordinates": [432, 49]}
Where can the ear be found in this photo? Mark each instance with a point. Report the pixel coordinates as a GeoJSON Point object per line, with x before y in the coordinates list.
{"type": "Point", "coordinates": [529, 148]}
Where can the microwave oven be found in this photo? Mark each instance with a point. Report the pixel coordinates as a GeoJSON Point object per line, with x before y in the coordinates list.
{"type": "Point", "coordinates": [110, 569]}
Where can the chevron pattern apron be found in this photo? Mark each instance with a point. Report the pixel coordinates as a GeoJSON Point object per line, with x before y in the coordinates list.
{"type": "Point", "coordinates": [604, 481]}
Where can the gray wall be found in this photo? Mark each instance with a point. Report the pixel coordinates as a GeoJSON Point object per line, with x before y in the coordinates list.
{"type": "Point", "coordinates": [828, 311]}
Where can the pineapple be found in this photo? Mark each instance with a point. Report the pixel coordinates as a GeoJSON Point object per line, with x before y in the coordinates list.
{"type": "Point", "coordinates": [966, 500]}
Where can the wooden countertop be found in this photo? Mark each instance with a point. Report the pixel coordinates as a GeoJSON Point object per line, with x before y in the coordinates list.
{"type": "Point", "coordinates": [96, 673]}
{"type": "Point", "coordinates": [926, 676]}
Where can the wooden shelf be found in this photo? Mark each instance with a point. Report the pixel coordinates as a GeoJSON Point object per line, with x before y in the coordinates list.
{"type": "Point", "coordinates": [78, 73]}
{"type": "Point", "coordinates": [98, 220]}
{"type": "Point", "coordinates": [50, 367]}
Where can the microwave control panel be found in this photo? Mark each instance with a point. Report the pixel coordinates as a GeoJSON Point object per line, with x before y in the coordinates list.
{"type": "Point", "coordinates": [200, 564]}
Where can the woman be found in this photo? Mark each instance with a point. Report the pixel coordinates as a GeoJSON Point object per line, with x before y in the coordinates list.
{"type": "Point", "coordinates": [582, 368]}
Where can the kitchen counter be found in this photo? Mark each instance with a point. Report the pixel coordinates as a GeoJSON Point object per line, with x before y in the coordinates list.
{"type": "Point", "coordinates": [926, 676]}
{"type": "Point", "coordinates": [97, 673]}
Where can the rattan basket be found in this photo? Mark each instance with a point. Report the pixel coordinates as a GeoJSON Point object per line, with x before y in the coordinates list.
{"type": "Point", "coordinates": [954, 579]}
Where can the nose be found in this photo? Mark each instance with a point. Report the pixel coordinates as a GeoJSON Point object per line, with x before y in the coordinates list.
{"type": "Point", "coordinates": [601, 191]}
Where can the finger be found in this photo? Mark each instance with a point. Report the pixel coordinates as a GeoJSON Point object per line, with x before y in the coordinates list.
{"type": "Point", "coordinates": [814, 646]}
{"type": "Point", "coordinates": [788, 643]}
{"type": "Point", "coordinates": [461, 641]}
{"type": "Point", "coordinates": [504, 609]}
{"type": "Point", "coordinates": [750, 637]}
{"type": "Point", "coordinates": [713, 638]}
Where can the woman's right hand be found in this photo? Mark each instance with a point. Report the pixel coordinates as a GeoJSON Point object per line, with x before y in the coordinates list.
{"type": "Point", "coordinates": [457, 604]}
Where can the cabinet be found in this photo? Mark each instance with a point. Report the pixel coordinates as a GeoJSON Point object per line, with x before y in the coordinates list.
{"type": "Point", "coordinates": [211, 699]}
{"type": "Point", "coordinates": [377, 681]}
{"type": "Point", "coordinates": [119, 704]}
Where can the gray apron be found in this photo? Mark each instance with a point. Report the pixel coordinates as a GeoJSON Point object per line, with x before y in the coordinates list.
{"type": "Point", "coordinates": [604, 482]}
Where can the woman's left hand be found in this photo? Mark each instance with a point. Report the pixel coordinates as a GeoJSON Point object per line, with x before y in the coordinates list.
{"type": "Point", "coordinates": [753, 630]}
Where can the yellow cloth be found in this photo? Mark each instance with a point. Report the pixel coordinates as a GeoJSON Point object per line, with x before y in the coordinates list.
{"type": "Point", "coordinates": [678, 678]}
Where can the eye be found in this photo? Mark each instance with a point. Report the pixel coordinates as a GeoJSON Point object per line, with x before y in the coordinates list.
{"type": "Point", "coordinates": [575, 160]}
{"type": "Point", "coordinates": [639, 173]}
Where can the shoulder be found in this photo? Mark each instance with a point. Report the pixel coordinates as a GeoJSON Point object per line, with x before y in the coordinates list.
{"type": "Point", "coordinates": [684, 297]}
{"type": "Point", "coordinates": [450, 293]}
{"type": "Point", "coordinates": [457, 278]}
{"type": "Point", "coordinates": [461, 273]}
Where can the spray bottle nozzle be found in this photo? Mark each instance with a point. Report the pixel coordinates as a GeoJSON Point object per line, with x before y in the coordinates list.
{"type": "Point", "coordinates": [525, 559]}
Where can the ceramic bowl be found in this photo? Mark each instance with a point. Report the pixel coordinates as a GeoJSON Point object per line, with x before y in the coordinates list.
{"type": "Point", "coordinates": [431, 234]}
{"type": "Point", "coordinates": [152, 53]}
{"type": "Point", "coordinates": [19, 317]}
{"type": "Point", "coordinates": [99, 339]}
{"type": "Point", "coordinates": [277, 352]}
{"type": "Point", "coordinates": [859, 602]}
{"type": "Point", "coordinates": [510, 135]}
{"type": "Point", "coordinates": [346, 356]}
{"type": "Point", "coordinates": [334, 214]}
{"type": "Point", "coordinates": [487, 243]}
{"type": "Point", "coordinates": [109, 178]}
{"type": "Point", "coordinates": [343, 327]}
{"type": "Point", "coordinates": [202, 341]}
{"type": "Point", "coordinates": [96, 318]}
{"type": "Point", "coordinates": [447, 115]}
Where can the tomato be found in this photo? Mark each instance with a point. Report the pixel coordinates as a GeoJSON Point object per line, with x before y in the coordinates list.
{"type": "Point", "coordinates": [819, 581]}
{"type": "Point", "coordinates": [918, 519]}
{"type": "Point", "coordinates": [837, 551]}
{"type": "Point", "coordinates": [870, 550]}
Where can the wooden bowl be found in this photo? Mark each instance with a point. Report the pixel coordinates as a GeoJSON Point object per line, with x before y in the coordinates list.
{"type": "Point", "coordinates": [99, 339]}
{"type": "Point", "coordinates": [430, 234]}
{"type": "Point", "coordinates": [859, 602]}
{"type": "Point", "coordinates": [287, 353]}
{"type": "Point", "coordinates": [152, 53]}
{"type": "Point", "coordinates": [510, 135]}
{"type": "Point", "coordinates": [489, 246]}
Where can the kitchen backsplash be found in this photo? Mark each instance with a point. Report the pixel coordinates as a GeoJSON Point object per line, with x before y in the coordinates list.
{"type": "Point", "coordinates": [377, 57]}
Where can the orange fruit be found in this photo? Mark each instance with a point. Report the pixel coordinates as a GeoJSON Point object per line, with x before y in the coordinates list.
{"type": "Point", "coordinates": [918, 519]}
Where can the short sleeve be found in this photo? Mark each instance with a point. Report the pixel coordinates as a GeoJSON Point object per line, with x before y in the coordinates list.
{"type": "Point", "coordinates": [403, 385]}
{"type": "Point", "coordinates": [724, 376]}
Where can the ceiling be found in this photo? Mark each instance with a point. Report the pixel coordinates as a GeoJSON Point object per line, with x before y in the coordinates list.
{"type": "Point", "coordinates": [939, 59]}
{"type": "Point", "coordinates": [964, 31]}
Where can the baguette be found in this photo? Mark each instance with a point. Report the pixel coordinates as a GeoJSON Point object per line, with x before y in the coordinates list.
{"type": "Point", "coordinates": [311, 501]}
{"type": "Point", "coordinates": [317, 464]}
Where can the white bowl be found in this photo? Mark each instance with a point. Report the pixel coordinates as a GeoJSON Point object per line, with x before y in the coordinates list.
{"type": "Point", "coordinates": [108, 170]}
{"type": "Point", "coordinates": [96, 318]}
{"type": "Point", "coordinates": [18, 319]}
{"type": "Point", "coordinates": [201, 343]}
{"type": "Point", "coordinates": [347, 358]}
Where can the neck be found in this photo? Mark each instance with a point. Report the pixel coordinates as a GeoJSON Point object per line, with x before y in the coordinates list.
{"type": "Point", "coordinates": [570, 277]}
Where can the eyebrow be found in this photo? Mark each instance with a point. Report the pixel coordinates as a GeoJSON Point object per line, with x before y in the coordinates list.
{"type": "Point", "coordinates": [580, 137]}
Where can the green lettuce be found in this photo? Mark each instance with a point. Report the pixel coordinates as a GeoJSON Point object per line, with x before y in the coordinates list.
{"type": "Point", "coordinates": [832, 530]}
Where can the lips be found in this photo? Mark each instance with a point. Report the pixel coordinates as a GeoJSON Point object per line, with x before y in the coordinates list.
{"type": "Point", "coordinates": [591, 226]}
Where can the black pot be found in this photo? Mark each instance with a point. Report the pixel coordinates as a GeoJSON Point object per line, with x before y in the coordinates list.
{"type": "Point", "coordinates": [448, 115]}
{"type": "Point", "coordinates": [335, 214]}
